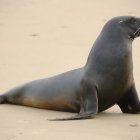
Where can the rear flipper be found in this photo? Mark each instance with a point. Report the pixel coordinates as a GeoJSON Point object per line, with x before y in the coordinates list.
{"type": "Point", "coordinates": [89, 105]}
{"type": "Point", "coordinates": [130, 102]}
{"type": "Point", "coordinates": [2, 99]}
{"type": "Point", "coordinates": [11, 96]}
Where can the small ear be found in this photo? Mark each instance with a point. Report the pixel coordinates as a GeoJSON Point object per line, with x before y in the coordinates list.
{"type": "Point", "coordinates": [120, 22]}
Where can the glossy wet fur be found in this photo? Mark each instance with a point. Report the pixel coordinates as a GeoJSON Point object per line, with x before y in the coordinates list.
{"type": "Point", "coordinates": [105, 80]}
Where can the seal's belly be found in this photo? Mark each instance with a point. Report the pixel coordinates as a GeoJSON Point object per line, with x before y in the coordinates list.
{"type": "Point", "coordinates": [112, 85]}
{"type": "Point", "coordinates": [107, 101]}
{"type": "Point", "coordinates": [110, 95]}
{"type": "Point", "coordinates": [71, 105]}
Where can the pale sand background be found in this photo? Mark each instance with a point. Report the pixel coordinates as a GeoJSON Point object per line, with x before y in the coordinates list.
{"type": "Point", "coordinates": [41, 38]}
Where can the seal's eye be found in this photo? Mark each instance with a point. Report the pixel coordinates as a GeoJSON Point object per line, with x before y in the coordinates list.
{"type": "Point", "coordinates": [121, 21]}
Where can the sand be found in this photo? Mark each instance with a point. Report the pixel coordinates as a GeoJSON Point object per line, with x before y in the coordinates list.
{"type": "Point", "coordinates": [41, 38]}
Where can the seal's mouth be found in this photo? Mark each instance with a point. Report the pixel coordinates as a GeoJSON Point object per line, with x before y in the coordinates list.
{"type": "Point", "coordinates": [137, 33]}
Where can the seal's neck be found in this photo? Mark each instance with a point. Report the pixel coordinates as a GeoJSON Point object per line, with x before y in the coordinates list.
{"type": "Point", "coordinates": [112, 45]}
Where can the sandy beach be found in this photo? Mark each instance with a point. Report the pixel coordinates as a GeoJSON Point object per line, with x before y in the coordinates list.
{"type": "Point", "coordinates": [40, 39]}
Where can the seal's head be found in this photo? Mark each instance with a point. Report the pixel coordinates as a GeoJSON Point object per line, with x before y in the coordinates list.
{"type": "Point", "coordinates": [132, 26]}
{"type": "Point", "coordinates": [128, 25]}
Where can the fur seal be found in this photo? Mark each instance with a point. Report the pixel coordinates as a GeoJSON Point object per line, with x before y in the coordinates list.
{"type": "Point", "coordinates": [105, 80]}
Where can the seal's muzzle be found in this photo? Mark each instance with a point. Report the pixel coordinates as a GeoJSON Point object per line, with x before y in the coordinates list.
{"type": "Point", "coordinates": [137, 33]}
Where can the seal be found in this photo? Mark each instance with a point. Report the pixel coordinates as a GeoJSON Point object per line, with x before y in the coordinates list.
{"type": "Point", "coordinates": [105, 80]}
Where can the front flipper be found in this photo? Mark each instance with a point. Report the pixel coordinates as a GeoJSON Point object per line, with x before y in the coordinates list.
{"type": "Point", "coordinates": [89, 104]}
{"type": "Point", "coordinates": [76, 117]}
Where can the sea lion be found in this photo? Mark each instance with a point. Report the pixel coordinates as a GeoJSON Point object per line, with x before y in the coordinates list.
{"type": "Point", "coordinates": [105, 80]}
